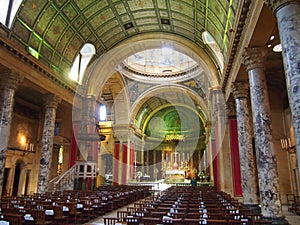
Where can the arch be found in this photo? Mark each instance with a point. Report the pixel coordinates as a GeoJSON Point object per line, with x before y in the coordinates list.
{"type": "Point", "coordinates": [107, 65]}
{"type": "Point", "coordinates": [194, 98]}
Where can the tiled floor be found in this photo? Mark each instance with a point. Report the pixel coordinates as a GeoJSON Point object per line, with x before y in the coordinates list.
{"type": "Point", "coordinates": [293, 219]}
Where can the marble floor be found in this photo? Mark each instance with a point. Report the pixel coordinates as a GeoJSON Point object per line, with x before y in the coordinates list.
{"type": "Point", "coordinates": [292, 218]}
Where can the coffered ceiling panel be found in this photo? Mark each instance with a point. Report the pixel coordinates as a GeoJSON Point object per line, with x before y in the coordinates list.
{"type": "Point", "coordinates": [56, 30]}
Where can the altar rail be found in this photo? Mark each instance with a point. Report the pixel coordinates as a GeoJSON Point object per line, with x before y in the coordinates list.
{"type": "Point", "coordinates": [160, 185]}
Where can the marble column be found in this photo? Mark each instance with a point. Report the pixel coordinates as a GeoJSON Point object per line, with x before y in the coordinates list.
{"type": "Point", "coordinates": [288, 20]}
{"type": "Point", "coordinates": [51, 103]}
{"type": "Point", "coordinates": [247, 158]}
{"type": "Point", "coordinates": [254, 60]}
{"type": "Point", "coordinates": [9, 82]}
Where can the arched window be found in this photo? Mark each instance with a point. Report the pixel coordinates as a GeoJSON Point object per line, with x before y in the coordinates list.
{"type": "Point", "coordinates": [81, 62]}
{"type": "Point", "coordinates": [102, 113]}
{"type": "Point", "coordinates": [210, 41]}
{"type": "Point", "coordinates": [8, 11]}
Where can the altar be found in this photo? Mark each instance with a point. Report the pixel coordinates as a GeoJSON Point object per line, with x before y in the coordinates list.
{"type": "Point", "coordinates": [175, 175]}
{"type": "Point", "coordinates": [174, 172]}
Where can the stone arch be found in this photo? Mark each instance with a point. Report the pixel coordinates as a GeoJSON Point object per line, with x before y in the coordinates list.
{"type": "Point", "coordinates": [107, 65]}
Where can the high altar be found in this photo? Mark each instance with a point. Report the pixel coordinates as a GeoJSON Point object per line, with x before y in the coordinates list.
{"type": "Point", "coordinates": [175, 166]}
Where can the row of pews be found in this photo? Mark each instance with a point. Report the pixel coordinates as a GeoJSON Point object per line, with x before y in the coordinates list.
{"type": "Point", "coordinates": [68, 207]}
{"type": "Point", "coordinates": [187, 205]}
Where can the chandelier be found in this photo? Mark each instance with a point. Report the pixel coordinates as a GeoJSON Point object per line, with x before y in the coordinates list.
{"type": "Point", "coordinates": [174, 137]}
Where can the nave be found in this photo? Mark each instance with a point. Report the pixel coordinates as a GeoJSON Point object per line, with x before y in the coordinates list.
{"type": "Point", "coordinates": [132, 205]}
{"type": "Point", "coordinates": [187, 205]}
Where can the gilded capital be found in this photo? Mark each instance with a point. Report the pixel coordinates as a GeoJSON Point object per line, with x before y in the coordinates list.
{"type": "Point", "coordinates": [10, 79]}
{"type": "Point", "coordinates": [275, 5]}
{"type": "Point", "coordinates": [240, 89]}
{"type": "Point", "coordinates": [51, 101]}
{"type": "Point", "coordinates": [255, 58]}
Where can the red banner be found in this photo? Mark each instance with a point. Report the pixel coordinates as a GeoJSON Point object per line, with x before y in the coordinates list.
{"type": "Point", "coordinates": [116, 164]}
{"type": "Point", "coordinates": [236, 167]}
{"type": "Point", "coordinates": [124, 164]}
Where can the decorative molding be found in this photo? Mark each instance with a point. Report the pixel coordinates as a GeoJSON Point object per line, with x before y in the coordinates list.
{"type": "Point", "coordinates": [245, 11]}
{"type": "Point", "coordinates": [27, 59]}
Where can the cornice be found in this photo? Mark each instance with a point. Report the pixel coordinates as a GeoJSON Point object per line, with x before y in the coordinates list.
{"type": "Point", "coordinates": [239, 30]}
{"type": "Point", "coordinates": [26, 58]}
{"type": "Point", "coordinates": [253, 14]}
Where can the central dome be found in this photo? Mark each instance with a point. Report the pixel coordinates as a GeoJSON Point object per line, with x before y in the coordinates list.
{"type": "Point", "coordinates": [160, 60]}
{"type": "Point", "coordinates": [160, 64]}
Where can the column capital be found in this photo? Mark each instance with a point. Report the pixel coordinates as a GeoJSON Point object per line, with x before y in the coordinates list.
{"type": "Point", "coordinates": [255, 58]}
{"type": "Point", "coordinates": [51, 101]}
{"type": "Point", "coordinates": [230, 108]}
{"type": "Point", "coordinates": [240, 89]}
{"type": "Point", "coordinates": [275, 5]}
{"type": "Point", "coordinates": [10, 79]}
{"type": "Point", "coordinates": [121, 131]}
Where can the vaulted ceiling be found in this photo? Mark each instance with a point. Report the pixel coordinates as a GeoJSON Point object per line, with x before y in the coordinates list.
{"type": "Point", "coordinates": [56, 30]}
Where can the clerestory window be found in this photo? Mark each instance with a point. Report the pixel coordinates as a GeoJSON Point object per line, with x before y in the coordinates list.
{"type": "Point", "coordinates": [8, 11]}
{"type": "Point", "coordinates": [81, 62]}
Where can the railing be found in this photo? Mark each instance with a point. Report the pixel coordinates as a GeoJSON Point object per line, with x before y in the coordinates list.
{"type": "Point", "coordinates": [64, 181]}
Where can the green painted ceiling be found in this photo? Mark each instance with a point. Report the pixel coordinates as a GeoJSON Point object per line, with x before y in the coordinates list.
{"type": "Point", "coordinates": [170, 113]}
{"type": "Point", "coordinates": [57, 29]}
{"type": "Point", "coordinates": [173, 120]}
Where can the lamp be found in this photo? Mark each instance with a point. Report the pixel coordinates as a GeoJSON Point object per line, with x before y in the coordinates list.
{"type": "Point", "coordinates": [274, 43]}
{"type": "Point", "coordinates": [286, 145]}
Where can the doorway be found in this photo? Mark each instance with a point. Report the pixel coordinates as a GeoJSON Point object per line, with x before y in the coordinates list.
{"type": "Point", "coordinates": [16, 179]}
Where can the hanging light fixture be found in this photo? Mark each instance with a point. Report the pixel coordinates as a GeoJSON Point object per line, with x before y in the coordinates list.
{"type": "Point", "coordinates": [174, 137]}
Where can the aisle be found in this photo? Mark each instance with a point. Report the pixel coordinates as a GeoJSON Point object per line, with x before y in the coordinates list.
{"type": "Point", "coordinates": [100, 220]}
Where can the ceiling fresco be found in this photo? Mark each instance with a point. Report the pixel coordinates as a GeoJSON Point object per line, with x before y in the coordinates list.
{"type": "Point", "coordinates": [54, 31]}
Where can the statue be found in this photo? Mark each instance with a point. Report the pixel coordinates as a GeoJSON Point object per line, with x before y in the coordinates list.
{"type": "Point", "coordinates": [155, 173]}
{"type": "Point", "coordinates": [139, 175]}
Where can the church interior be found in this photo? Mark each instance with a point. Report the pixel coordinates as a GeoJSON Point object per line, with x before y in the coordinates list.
{"type": "Point", "coordinates": [151, 99]}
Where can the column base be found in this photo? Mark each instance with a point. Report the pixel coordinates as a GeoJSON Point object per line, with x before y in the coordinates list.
{"type": "Point", "coordinates": [254, 207]}
{"type": "Point", "coordinates": [277, 220]}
